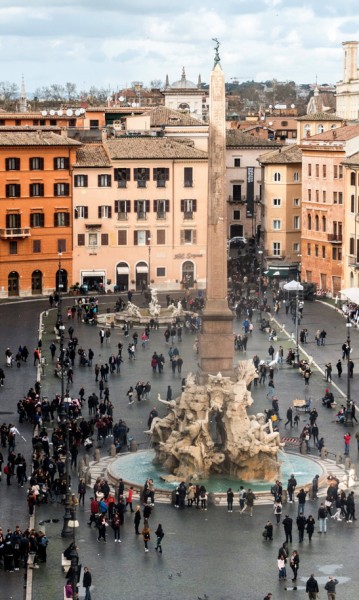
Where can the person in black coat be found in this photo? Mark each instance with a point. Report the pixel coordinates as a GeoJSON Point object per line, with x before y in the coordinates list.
{"type": "Point", "coordinates": [86, 582]}
{"type": "Point", "coordinates": [301, 522]}
{"type": "Point", "coordinates": [288, 525]}
{"type": "Point", "coordinates": [137, 519]}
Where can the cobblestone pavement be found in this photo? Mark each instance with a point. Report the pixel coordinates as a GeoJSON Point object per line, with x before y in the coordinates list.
{"type": "Point", "coordinates": [218, 554]}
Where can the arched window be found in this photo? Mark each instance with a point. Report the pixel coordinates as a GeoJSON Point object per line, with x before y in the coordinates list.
{"type": "Point", "coordinates": [352, 178]}
{"type": "Point", "coordinates": [320, 128]}
{"type": "Point", "coordinates": [333, 127]}
{"type": "Point", "coordinates": [316, 223]}
{"type": "Point", "coordinates": [307, 130]}
{"type": "Point", "coordinates": [277, 176]}
{"type": "Point", "coordinates": [36, 282]}
{"type": "Point", "coordinates": [324, 223]}
{"type": "Point", "coordinates": [13, 283]}
{"type": "Point", "coordinates": [309, 222]}
{"type": "Point", "coordinates": [188, 274]}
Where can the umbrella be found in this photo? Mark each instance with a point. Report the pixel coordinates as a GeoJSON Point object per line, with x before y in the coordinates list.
{"type": "Point", "coordinates": [351, 294]}
{"type": "Point", "coordinates": [293, 286]}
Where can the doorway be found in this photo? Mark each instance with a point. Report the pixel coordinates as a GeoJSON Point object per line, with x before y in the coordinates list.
{"type": "Point", "coordinates": [188, 274]}
{"type": "Point", "coordinates": [13, 284]}
{"type": "Point", "coordinates": [36, 282]}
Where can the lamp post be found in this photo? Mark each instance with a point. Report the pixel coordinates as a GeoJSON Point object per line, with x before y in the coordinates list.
{"type": "Point", "coordinates": [260, 252]}
{"type": "Point", "coordinates": [296, 323]}
{"type": "Point", "coordinates": [348, 324]}
{"type": "Point", "coordinates": [149, 263]}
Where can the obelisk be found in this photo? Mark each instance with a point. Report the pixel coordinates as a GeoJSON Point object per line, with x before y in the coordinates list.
{"type": "Point", "coordinates": [216, 347]}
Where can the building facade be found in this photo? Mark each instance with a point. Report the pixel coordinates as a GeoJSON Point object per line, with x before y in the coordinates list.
{"type": "Point", "coordinates": [140, 207]}
{"type": "Point", "coordinates": [35, 215]}
{"type": "Point", "coordinates": [351, 222]}
{"type": "Point", "coordinates": [347, 90]}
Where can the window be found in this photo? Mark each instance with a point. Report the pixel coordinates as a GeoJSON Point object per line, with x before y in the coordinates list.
{"type": "Point", "coordinates": [340, 253]}
{"type": "Point", "coordinates": [307, 130]}
{"type": "Point", "coordinates": [276, 224]}
{"type": "Point", "coordinates": [80, 239]}
{"type": "Point", "coordinates": [36, 190]}
{"type": "Point", "coordinates": [37, 219]}
{"type": "Point", "coordinates": [122, 237]}
{"type": "Point", "coordinates": [81, 212]}
{"type": "Point", "coordinates": [324, 223]}
{"type": "Point", "coordinates": [335, 197]}
{"type": "Point", "coordinates": [352, 178]}
{"type": "Point", "coordinates": [105, 212]}
{"type": "Point", "coordinates": [309, 249]}
{"type": "Point", "coordinates": [237, 162]}
{"type": "Point", "coordinates": [92, 240]}
{"type": "Point", "coordinates": [36, 246]}
{"type": "Point", "coordinates": [104, 239]}
{"type": "Point", "coordinates": [61, 189]}
{"type": "Point", "coordinates": [12, 247]}
{"type": "Point", "coordinates": [317, 170]}
{"type": "Point", "coordinates": [316, 250]}
{"type": "Point", "coordinates": [296, 202]}
{"type": "Point", "coordinates": [324, 196]}
{"type": "Point", "coordinates": [277, 176]}
{"type": "Point", "coordinates": [309, 195]}
{"type": "Point", "coordinates": [309, 222]}
{"type": "Point", "coordinates": [340, 171]}
{"type": "Point", "coordinates": [53, 122]}
{"type": "Point", "coordinates": [36, 163]}
{"type": "Point", "coordinates": [351, 246]}
{"type": "Point", "coordinates": [320, 128]}
{"type": "Point", "coordinates": [324, 171]}
{"type": "Point", "coordinates": [335, 171]}
{"type": "Point", "coordinates": [317, 195]}
{"type": "Point", "coordinates": [309, 276]}
{"type": "Point", "coordinates": [61, 162]}
{"type": "Point", "coordinates": [61, 245]}
{"type": "Point", "coordinates": [13, 190]}
{"type": "Point", "coordinates": [142, 175]}
{"type": "Point", "coordinates": [94, 123]}
{"type": "Point", "coordinates": [276, 248]}
{"type": "Point", "coordinates": [277, 201]}
{"type": "Point", "coordinates": [104, 180]}
{"type": "Point", "coordinates": [13, 221]}
{"type": "Point", "coordinates": [309, 170]}
{"type": "Point", "coordinates": [161, 237]}
{"type": "Point", "coordinates": [160, 271]}
{"type": "Point", "coordinates": [236, 215]}
{"type": "Point", "coordinates": [316, 219]}
{"type": "Point", "coordinates": [296, 222]}
{"type": "Point", "coordinates": [161, 175]}
{"type": "Point", "coordinates": [188, 177]}
{"type": "Point", "coordinates": [122, 176]}
{"type": "Point", "coordinates": [296, 247]}
{"type": "Point", "coordinates": [81, 180]}
{"type": "Point", "coordinates": [62, 219]}
{"type": "Point", "coordinates": [188, 236]}
{"type": "Point", "coordinates": [161, 207]}
{"type": "Point", "coordinates": [188, 207]}
{"type": "Point", "coordinates": [122, 208]}
{"type": "Point", "coordinates": [12, 164]}
{"type": "Point", "coordinates": [237, 193]}
{"type": "Point", "coordinates": [340, 197]}
{"type": "Point", "coordinates": [141, 238]}
{"type": "Point", "coordinates": [296, 176]}
{"type": "Point", "coordinates": [352, 203]}
{"type": "Point", "coordinates": [334, 253]}
{"type": "Point", "coordinates": [323, 251]}
{"type": "Point", "coordinates": [142, 207]}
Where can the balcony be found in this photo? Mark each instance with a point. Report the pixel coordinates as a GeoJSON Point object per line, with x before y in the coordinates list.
{"type": "Point", "coordinates": [353, 261]}
{"type": "Point", "coordinates": [141, 216]}
{"type": "Point", "coordinates": [188, 215]}
{"type": "Point", "coordinates": [122, 183]}
{"type": "Point", "coordinates": [161, 183]}
{"type": "Point", "coordinates": [188, 183]}
{"type": "Point", "coordinates": [335, 238]}
{"type": "Point", "coordinates": [237, 199]}
{"type": "Point", "coordinates": [141, 184]}
{"type": "Point", "coordinates": [161, 214]}
{"type": "Point", "coordinates": [122, 216]}
{"type": "Point", "coordinates": [15, 232]}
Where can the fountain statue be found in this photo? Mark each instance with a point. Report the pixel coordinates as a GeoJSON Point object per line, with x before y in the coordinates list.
{"type": "Point", "coordinates": [207, 430]}
{"type": "Point", "coordinates": [154, 306]}
{"type": "Point", "coordinates": [132, 311]}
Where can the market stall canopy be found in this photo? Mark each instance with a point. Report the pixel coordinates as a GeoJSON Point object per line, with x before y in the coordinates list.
{"type": "Point", "coordinates": [351, 294]}
{"type": "Point", "coordinates": [293, 286]}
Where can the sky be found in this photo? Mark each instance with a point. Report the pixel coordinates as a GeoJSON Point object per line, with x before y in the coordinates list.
{"type": "Point", "coordinates": [110, 43]}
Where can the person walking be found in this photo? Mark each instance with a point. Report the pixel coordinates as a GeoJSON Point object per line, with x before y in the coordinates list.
{"type": "Point", "coordinates": [277, 507]}
{"type": "Point", "coordinates": [347, 438]}
{"type": "Point", "coordinates": [292, 484]}
{"type": "Point", "coordinates": [301, 523]}
{"type": "Point", "coordinates": [328, 372]}
{"type": "Point", "coordinates": [230, 496]}
{"type": "Point", "coordinates": [310, 527]}
{"type": "Point", "coordinates": [137, 519]}
{"type": "Point", "coordinates": [102, 530]}
{"type": "Point", "coordinates": [116, 526]}
{"type": "Point", "coordinates": [87, 582]}
{"type": "Point", "coordinates": [339, 367]}
{"type": "Point", "coordinates": [289, 420]}
{"type": "Point", "coordinates": [294, 564]}
{"type": "Point", "coordinates": [160, 535]}
{"type": "Point", "coordinates": [330, 587]}
{"type": "Point", "coordinates": [312, 588]}
{"type": "Point", "coordinates": [302, 496]}
{"type": "Point", "coordinates": [288, 526]}
{"type": "Point", "coordinates": [322, 518]}
{"type": "Point", "coordinates": [282, 572]}
{"type": "Point", "coordinates": [146, 537]}
{"type": "Point", "coordinates": [249, 502]}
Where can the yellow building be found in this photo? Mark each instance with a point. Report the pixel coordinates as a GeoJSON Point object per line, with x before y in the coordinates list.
{"type": "Point", "coordinates": [351, 222]}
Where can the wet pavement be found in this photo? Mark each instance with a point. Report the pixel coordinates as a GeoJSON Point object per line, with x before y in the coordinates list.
{"type": "Point", "coordinates": [216, 553]}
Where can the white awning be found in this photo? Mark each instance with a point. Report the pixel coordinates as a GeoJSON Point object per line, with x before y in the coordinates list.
{"type": "Point", "coordinates": [141, 269]}
{"type": "Point", "coordinates": [123, 270]}
{"type": "Point", "coordinates": [93, 273]}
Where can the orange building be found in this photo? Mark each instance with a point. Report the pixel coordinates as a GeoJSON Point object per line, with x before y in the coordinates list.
{"type": "Point", "coordinates": [36, 208]}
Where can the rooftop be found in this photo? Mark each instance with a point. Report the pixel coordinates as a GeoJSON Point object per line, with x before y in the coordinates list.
{"type": "Point", "coordinates": [321, 116]}
{"type": "Point", "coordinates": [160, 115]}
{"type": "Point", "coordinates": [35, 138]}
{"type": "Point", "coordinates": [352, 160]}
{"type": "Point", "coordinates": [340, 134]}
{"type": "Point", "coordinates": [284, 155]}
{"type": "Point", "coordinates": [236, 138]}
{"type": "Point", "coordinates": [92, 155]}
{"type": "Point", "coordinates": [148, 147]}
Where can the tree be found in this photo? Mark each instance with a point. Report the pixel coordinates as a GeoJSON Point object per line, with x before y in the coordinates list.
{"type": "Point", "coordinates": [156, 84]}
{"type": "Point", "coordinates": [8, 91]}
{"type": "Point", "coordinates": [71, 91]}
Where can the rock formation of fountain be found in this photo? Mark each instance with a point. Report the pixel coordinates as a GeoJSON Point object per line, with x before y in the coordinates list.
{"type": "Point", "coordinates": [239, 445]}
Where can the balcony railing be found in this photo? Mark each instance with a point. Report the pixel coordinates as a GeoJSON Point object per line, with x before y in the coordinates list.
{"type": "Point", "coordinates": [353, 261]}
{"type": "Point", "coordinates": [141, 184]}
{"type": "Point", "coordinates": [141, 216]}
{"type": "Point", "coordinates": [161, 183]}
{"type": "Point", "coordinates": [336, 238]}
{"type": "Point", "coordinates": [122, 183]}
{"type": "Point", "coordinates": [236, 199]}
{"type": "Point", "coordinates": [122, 216]}
{"type": "Point", "coordinates": [188, 215]}
{"type": "Point", "coordinates": [15, 232]}
{"type": "Point", "coordinates": [188, 183]}
{"type": "Point", "coordinates": [161, 214]}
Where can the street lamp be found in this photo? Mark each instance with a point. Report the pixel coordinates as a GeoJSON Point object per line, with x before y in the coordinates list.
{"type": "Point", "coordinates": [149, 262]}
{"type": "Point", "coordinates": [348, 324]}
{"type": "Point", "coordinates": [260, 252]}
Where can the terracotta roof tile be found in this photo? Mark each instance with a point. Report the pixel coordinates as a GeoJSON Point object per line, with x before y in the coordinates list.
{"type": "Point", "coordinates": [340, 134]}
{"type": "Point", "coordinates": [285, 155]}
{"type": "Point", "coordinates": [321, 116]}
{"type": "Point", "coordinates": [352, 160]}
{"type": "Point", "coordinates": [160, 115]}
{"type": "Point", "coordinates": [92, 155]}
{"type": "Point", "coordinates": [35, 138]}
{"type": "Point", "coordinates": [236, 138]}
{"type": "Point", "coordinates": [150, 147]}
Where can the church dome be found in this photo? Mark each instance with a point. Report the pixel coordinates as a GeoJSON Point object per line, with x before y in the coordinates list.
{"type": "Point", "coordinates": [183, 83]}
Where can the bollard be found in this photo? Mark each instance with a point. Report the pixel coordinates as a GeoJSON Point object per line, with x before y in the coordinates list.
{"type": "Point", "coordinates": [303, 447]}
{"type": "Point", "coordinates": [97, 455]}
{"type": "Point", "coordinates": [338, 459]}
{"type": "Point", "coordinates": [112, 450]}
{"type": "Point", "coordinates": [323, 453]}
{"type": "Point", "coordinates": [347, 462]}
{"type": "Point", "coordinates": [133, 446]}
{"type": "Point", "coordinates": [88, 476]}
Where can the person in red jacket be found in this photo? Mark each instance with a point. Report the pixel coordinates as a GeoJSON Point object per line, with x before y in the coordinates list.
{"type": "Point", "coordinates": [347, 438]}
{"type": "Point", "coordinates": [129, 498]}
{"type": "Point", "coordinates": [94, 510]}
